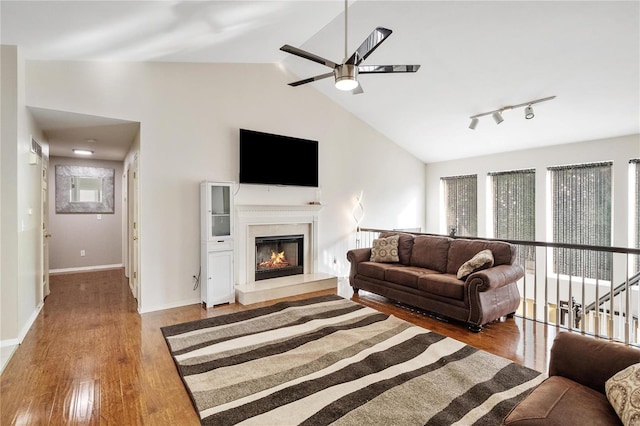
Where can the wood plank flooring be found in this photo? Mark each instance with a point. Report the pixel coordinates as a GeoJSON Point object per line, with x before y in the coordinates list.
{"type": "Point", "coordinates": [91, 359]}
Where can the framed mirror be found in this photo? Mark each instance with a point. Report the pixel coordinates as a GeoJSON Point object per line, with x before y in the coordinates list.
{"type": "Point", "coordinates": [83, 189]}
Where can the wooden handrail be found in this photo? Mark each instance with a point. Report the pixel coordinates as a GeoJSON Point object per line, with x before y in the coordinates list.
{"type": "Point", "coordinates": [607, 249]}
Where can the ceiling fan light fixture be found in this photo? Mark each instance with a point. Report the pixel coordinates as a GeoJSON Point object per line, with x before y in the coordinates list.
{"type": "Point", "coordinates": [346, 77]}
{"type": "Point", "coordinates": [528, 112]}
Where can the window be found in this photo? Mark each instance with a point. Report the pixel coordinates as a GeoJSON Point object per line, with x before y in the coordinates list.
{"type": "Point", "coordinates": [461, 204]}
{"type": "Point", "coordinates": [581, 214]}
{"type": "Point", "coordinates": [514, 213]}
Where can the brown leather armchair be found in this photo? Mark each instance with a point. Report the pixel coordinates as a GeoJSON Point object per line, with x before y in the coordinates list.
{"type": "Point", "coordinates": [574, 392]}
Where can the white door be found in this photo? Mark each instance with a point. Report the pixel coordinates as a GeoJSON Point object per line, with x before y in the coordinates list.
{"type": "Point", "coordinates": [45, 228]}
{"type": "Point", "coordinates": [220, 280]}
{"type": "Point", "coordinates": [125, 232]}
{"type": "Point", "coordinates": [132, 207]}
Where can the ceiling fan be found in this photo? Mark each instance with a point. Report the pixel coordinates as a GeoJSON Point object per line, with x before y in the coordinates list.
{"type": "Point", "coordinates": [346, 73]}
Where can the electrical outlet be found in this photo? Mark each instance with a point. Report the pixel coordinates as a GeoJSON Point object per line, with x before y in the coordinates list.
{"type": "Point", "coordinates": [99, 217]}
{"type": "Point", "coordinates": [82, 253]}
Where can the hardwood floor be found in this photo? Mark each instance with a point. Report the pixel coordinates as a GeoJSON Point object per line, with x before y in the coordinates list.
{"type": "Point", "coordinates": [90, 358]}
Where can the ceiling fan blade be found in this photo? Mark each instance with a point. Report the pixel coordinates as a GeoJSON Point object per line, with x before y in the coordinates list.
{"type": "Point", "coordinates": [310, 79]}
{"type": "Point", "coordinates": [358, 90]}
{"type": "Point", "coordinates": [307, 55]}
{"type": "Point", "coordinates": [380, 69]}
{"type": "Point", "coordinates": [369, 45]}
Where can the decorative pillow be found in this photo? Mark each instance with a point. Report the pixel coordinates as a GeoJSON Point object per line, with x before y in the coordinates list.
{"type": "Point", "coordinates": [385, 249]}
{"type": "Point", "coordinates": [623, 393]}
{"type": "Point", "coordinates": [482, 260]}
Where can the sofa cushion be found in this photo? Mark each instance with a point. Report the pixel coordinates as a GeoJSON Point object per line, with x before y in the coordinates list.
{"type": "Point", "coordinates": [482, 260]}
{"type": "Point", "coordinates": [461, 250]}
{"type": "Point", "coordinates": [374, 269]}
{"type": "Point", "coordinates": [431, 252]}
{"type": "Point", "coordinates": [405, 245]}
{"type": "Point", "coordinates": [385, 249]}
{"type": "Point", "coordinates": [558, 399]}
{"type": "Point", "coordinates": [445, 285]}
{"type": "Point", "coordinates": [406, 275]}
{"type": "Point", "coordinates": [623, 393]}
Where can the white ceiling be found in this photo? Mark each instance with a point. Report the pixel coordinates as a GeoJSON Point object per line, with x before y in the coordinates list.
{"type": "Point", "coordinates": [108, 138]}
{"type": "Point", "coordinates": [475, 57]}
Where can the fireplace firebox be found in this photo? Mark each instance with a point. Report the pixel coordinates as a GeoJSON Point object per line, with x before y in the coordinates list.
{"type": "Point", "coordinates": [279, 256]}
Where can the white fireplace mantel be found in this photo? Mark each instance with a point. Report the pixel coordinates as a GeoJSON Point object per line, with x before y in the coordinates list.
{"type": "Point", "coordinates": [252, 216]}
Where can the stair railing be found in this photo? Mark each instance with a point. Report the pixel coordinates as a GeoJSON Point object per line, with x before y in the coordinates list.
{"type": "Point", "coordinates": [573, 301]}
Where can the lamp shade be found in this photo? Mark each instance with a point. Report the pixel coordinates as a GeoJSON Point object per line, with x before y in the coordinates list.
{"type": "Point", "coordinates": [346, 77]}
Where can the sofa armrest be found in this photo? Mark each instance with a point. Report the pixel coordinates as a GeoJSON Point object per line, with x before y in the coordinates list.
{"type": "Point", "coordinates": [495, 277]}
{"type": "Point", "coordinates": [356, 256]}
{"type": "Point", "coordinates": [588, 360]}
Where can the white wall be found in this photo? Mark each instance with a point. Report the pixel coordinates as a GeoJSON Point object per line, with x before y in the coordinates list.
{"type": "Point", "coordinates": [190, 115]}
{"type": "Point", "coordinates": [70, 233]}
{"type": "Point", "coordinates": [21, 214]}
{"type": "Point", "coordinates": [9, 193]}
{"type": "Point", "coordinates": [619, 150]}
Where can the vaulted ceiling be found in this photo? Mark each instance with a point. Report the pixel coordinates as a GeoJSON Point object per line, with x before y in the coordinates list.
{"type": "Point", "coordinates": [475, 57]}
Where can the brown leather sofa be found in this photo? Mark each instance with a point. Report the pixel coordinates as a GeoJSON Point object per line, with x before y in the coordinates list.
{"type": "Point", "coordinates": [425, 277]}
{"type": "Point", "coordinates": [574, 392]}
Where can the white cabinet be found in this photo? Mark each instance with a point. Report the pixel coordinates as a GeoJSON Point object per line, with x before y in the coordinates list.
{"type": "Point", "coordinates": [216, 245]}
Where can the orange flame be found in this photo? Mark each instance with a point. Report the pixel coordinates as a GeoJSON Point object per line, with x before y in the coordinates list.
{"type": "Point", "coordinates": [277, 260]}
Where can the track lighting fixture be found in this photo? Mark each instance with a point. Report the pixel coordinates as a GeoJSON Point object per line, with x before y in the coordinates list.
{"type": "Point", "coordinates": [528, 112]}
{"type": "Point", "coordinates": [497, 114]}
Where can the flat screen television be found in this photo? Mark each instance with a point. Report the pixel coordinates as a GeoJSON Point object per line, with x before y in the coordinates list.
{"type": "Point", "coordinates": [270, 159]}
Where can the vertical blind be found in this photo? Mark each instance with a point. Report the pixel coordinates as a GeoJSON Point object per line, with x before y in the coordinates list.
{"type": "Point", "coordinates": [514, 213]}
{"type": "Point", "coordinates": [461, 204]}
{"type": "Point", "coordinates": [581, 205]}
{"type": "Point", "coordinates": [636, 166]}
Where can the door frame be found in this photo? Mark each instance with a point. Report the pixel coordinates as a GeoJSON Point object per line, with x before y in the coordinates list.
{"type": "Point", "coordinates": [133, 225]}
{"type": "Point", "coordinates": [44, 255]}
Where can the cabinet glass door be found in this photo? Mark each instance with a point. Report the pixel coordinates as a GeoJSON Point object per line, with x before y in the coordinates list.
{"type": "Point", "coordinates": [220, 211]}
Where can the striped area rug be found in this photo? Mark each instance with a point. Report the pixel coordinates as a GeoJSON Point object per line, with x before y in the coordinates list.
{"type": "Point", "coordinates": [328, 360]}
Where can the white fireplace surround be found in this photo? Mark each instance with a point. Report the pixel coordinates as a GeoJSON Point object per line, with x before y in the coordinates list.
{"type": "Point", "coordinates": [266, 220]}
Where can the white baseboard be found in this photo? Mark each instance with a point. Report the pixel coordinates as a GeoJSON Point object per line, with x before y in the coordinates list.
{"type": "Point", "coordinates": [14, 343]}
{"type": "Point", "coordinates": [85, 269]}
{"type": "Point", "coordinates": [5, 355]}
{"type": "Point", "coordinates": [169, 306]}
{"type": "Point", "coordinates": [25, 329]}
{"type": "Point", "coordinates": [30, 322]}
{"type": "Point", "coordinates": [9, 342]}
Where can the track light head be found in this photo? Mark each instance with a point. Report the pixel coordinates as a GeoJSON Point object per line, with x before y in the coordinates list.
{"type": "Point", "coordinates": [497, 116]}
{"type": "Point", "coordinates": [528, 112]}
{"type": "Point", "coordinates": [474, 123]}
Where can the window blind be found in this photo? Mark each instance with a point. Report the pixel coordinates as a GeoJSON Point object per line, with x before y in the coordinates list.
{"type": "Point", "coordinates": [461, 204]}
{"type": "Point", "coordinates": [636, 170]}
{"type": "Point", "coordinates": [514, 213]}
{"type": "Point", "coordinates": [581, 207]}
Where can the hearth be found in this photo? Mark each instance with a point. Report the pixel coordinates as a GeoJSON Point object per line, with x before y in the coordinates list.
{"type": "Point", "coordinates": [279, 256]}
